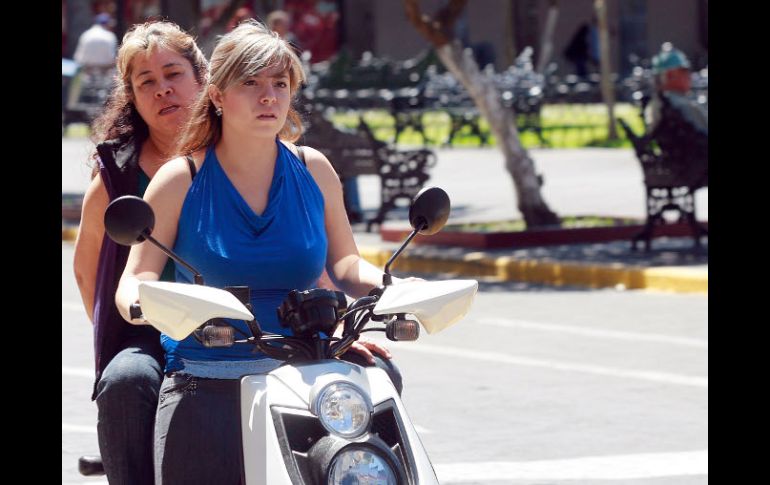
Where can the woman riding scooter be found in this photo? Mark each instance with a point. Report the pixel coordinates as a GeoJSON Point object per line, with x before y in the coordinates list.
{"type": "Point", "coordinates": [256, 213]}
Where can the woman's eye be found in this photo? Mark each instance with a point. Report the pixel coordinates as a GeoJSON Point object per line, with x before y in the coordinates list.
{"type": "Point", "coordinates": [175, 74]}
{"type": "Point", "coordinates": [146, 82]}
{"type": "Point", "coordinates": [250, 82]}
{"type": "Point", "coordinates": [282, 84]}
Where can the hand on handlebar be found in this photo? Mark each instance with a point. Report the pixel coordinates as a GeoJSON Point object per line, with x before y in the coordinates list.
{"type": "Point", "coordinates": [137, 318]}
{"type": "Point", "coordinates": [365, 348]}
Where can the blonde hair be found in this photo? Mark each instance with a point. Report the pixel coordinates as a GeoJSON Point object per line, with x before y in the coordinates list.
{"type": "Point", "coordinates": [242, 53]}
{"type": "Point", "coordinates": [120, 118]}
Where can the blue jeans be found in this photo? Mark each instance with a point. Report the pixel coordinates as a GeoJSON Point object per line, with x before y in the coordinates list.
{"type": "Point", "coordinates": [198, 427]}
{"type": "Point", "coordinates": [126, 398]}
{"type": "Point", "coordinates": [198, 431]}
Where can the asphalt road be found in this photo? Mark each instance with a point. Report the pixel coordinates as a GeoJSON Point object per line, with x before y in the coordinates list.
{"type": "Point", "coordinates": [535, 386]}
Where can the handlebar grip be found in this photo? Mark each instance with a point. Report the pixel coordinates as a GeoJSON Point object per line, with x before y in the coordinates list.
{"type": "Point", "coordinates": [135, 311]}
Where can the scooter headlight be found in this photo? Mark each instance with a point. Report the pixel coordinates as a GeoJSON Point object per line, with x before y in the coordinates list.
{"type": "Point", "coordinates": [360, 465]}
{"type": "Point", "coordinates": [343, 409]}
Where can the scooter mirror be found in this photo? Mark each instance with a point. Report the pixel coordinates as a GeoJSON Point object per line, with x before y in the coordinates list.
{"type": "Point", "coordinates": [128, 220]}
{"type": "Point", "coordinates": [429, 210]}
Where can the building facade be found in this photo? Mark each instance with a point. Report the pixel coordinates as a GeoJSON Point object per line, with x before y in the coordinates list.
{"type": "Point", "coordinates": [507, 26]}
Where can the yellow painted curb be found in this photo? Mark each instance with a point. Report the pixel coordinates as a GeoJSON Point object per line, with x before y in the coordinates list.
{"type": "Point", "coordinates": [69, 233]}
{"type": "Point", "coordinates": [677, 279]}
{"type": "Point", "coordinates": [680, 280]}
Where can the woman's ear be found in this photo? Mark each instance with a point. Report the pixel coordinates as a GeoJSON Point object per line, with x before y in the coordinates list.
{"type": "Point", "coordinates": [215, 95]}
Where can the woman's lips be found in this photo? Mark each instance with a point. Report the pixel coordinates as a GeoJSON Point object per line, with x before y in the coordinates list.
{"type": "Point", "coordinates": [168, 109]}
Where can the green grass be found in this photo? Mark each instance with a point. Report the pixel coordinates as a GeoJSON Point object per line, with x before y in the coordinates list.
{"type": "Point", "coordinates": [564, 126]}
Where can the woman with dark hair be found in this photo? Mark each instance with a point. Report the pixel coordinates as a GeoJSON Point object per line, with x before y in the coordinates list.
{"type": "Point", "coordinates": [160, 71]}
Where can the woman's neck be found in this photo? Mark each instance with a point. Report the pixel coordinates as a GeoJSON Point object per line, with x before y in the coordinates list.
{"type": "Point", "coordinates": [242, 153]}
{"type": "Point", "coordinates": [156, 151]}
{"type": "Point", "coordinates": [161, 146]}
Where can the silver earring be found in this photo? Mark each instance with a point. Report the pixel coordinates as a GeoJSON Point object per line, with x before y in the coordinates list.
{"type": "Point", "coordinates": [219, 111]}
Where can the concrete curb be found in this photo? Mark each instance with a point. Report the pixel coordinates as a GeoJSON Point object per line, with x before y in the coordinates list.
{"type": "Point", "coordinates": [671, 279]}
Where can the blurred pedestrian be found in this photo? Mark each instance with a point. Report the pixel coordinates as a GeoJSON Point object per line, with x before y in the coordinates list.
{"type": "Point", "coordinates": [583, 48]}
{"type": "Point", "coordinates": [243, 13]}
{"type": "Point", "coordinates": [279, 22]}
{"type": "Point", "coordinates": [675, 120]}
{"type": "Point", "coordinates": [97, 46]}
{"type": "Point", "coordinates": [95, 56]}
{"type": "Point", "coordinates": [672, 86]}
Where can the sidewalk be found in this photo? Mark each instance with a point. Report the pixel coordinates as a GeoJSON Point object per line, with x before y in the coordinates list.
{"type": "Point", "coordinates": [588, 181]}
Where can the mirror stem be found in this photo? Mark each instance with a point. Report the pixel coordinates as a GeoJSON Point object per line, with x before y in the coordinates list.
{"type": "Point", "coordinates": [386, 278]}
{"type": "Point", "coordinates": [197, 277]}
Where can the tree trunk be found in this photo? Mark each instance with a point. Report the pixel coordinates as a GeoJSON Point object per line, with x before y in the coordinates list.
{"type": "Point", "coordinates": [546, 43]}
{"type": "Point", "coordinates": [608, 90]}
{"type": "Point", "coordinates": [487, 98]}
{"type": "Point", "coordinates": [502, 122]}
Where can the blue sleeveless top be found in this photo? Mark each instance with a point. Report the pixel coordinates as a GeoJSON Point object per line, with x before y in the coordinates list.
{"type": "Point", "coordinates": [282, 249]}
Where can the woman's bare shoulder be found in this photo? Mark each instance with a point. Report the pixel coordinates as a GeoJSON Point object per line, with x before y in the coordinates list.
{"type": "Point", "coordinates": [322, 171]}
{"type": "Point", "coordinates": [316, 160]}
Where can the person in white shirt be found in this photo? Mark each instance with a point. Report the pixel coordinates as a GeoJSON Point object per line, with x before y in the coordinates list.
{"type": "Point", "coordinates": [97, 46]}
{"type": "Point", "coordinates": [95, 54]}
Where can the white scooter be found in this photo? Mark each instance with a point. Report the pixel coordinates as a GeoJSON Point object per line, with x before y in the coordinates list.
{"type": "Point", "coordinates": [315, 419]}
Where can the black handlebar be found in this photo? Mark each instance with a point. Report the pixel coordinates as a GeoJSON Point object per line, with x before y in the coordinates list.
{"type": "Point", "coordinates": [284, 347]}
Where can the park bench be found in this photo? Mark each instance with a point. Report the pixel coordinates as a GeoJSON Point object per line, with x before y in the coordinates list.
{"type": "Point", "coordinates": [374, 83]}
{"type": "Point", "coordinates": [674, 161]}
{"type": "Point", "coordinates": [402, 172]}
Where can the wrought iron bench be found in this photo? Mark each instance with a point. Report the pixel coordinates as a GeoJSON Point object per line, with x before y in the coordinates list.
{"type": "Point", "coordinates": [402, 172]}
{"type": "Point", "coordinates": [674, 161]}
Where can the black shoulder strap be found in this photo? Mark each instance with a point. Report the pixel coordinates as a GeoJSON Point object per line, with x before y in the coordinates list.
{"type": "Point", "coordinates": [191, 164]}
{"type": "Point", "coordinates": [301, 155]}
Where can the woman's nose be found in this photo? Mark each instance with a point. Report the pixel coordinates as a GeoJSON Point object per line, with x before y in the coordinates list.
{"type": "Point", "coordinates": [268, 95]}
{"type": "Point", "coordinates": [164, 90]}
